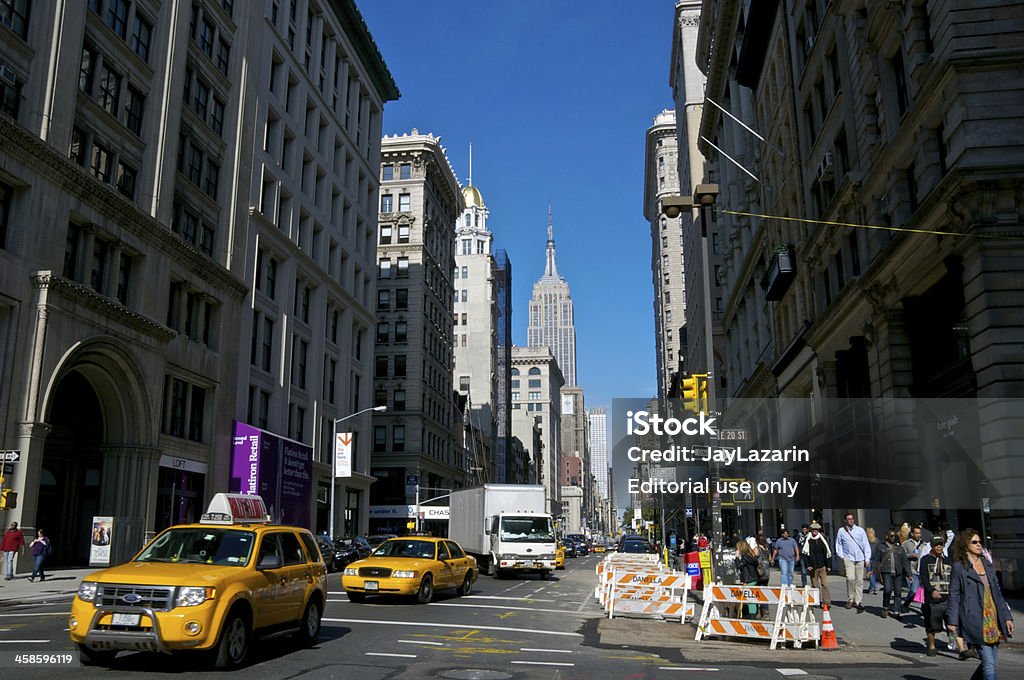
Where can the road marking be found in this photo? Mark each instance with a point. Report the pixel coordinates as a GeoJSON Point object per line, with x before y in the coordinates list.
{"type": "Point", "coordinates": [18, 642]}
{"type": "Point", "coordinates": [35, 614]}
{"type": "Point", "coordinates": [554, 651]}
{"type": "Point", "coordinates": [497, 606]}
{"type": "Point", "coordinates": [543, 663]}
{"type": "Point", "coordinates": [499, 597]}
{"type": "Point", "coordinates": [462, 626]}
{"type": "Point", "coordinates": [423, 642]}
{"type": "Point", "coordinates": [402, 656]}
{"type": "Point", "coordinates": [791, 671]}
{"type": "Point", "coordinates": [686, 668]}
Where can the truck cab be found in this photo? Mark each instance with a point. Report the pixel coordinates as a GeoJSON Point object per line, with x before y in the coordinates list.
{"type": "Point", "coordinates": [522, 542]}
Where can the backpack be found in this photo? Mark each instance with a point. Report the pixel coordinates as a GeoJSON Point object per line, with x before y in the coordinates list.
{"type": "Point", "coordinates": [47, 549]}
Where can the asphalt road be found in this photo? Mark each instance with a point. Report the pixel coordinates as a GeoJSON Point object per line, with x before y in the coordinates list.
{"type": "Point", "coordinates": [521, 628]}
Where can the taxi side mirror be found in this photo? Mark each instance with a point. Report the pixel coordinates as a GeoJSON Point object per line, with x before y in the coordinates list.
{"type": "Point", "coordinates": [268, 562]}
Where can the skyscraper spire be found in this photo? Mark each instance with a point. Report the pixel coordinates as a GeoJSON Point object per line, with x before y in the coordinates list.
{"type": "Point", "coordinates": [550, 270]}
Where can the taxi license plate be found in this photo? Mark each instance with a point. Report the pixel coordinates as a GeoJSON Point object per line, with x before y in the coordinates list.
{"type": "Point", "coordinates": [126, 620]}
{"type": "Point", "coordinates": [370, 585]}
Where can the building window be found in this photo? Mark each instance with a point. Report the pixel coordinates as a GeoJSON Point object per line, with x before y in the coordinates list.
{"type": "Point", "coordinates": [381, 367]}
{"type": "Point", "coordinates": [515, 396]}
{"type": "Point", "coordinates": [401, 331]}
{"type": "Point", "coordinates": [383, 300]}
{"type": "Point", "coordinates": [87, 70]}
{"type": "Point", "coordinates": [403, 267]}
{"type": "Point", "coordinates": [404, 203]}
{"type": "Point", "coordinates": [402, 298]}
{"type": "Point", "coordinates": [900, 81]}
{"type": "Point", "coordinates": [534, 382]}
{"type": "Point", "coordinates": [142, 34]}
{"type": "Point", "coordinates": [387, 172]}
{"type": "Point", "coordinates": [6, 198]}
{"type": "Point", "coordinates": [184, 409]}
{"type": "Point", "coordinates": [205, 38]}
{"type": "Point", "coordinates": [380, 397]}
{"type": "Point", "coordinates": [383, 333]}
{"type": "Point", "coordinates": [10, 94]}
{"type": "Point", "coordinates": [301, 359]}
{"type": "Point", "coordinates": [267, 344]}
{"type": "Point", "coordinates": [380, 439]}
{"type": "Point", "coordinates": [126, 180]}
{"type": "Point", "coordinates": [223, 56]}
{"type": "Point", "coordinates": [110, 91]}
{"type": "Point", "coordinates": [464, 383]}
{"type": "Point", "coordinates": [384, 269]}
{"type": "Point", "coordinates": [398, 438]}
{"type": "Point", "coordinates": [387, 203]}
{"type": "Point", "coordinates": [405, 171]}
{"type": "Point", "coordinates": [134, 102]}
{"type": "Point", "coordinates": [465, 295]}
{"type": "Point", "coordinates": [533, 395]}
{"type": "Point", "coordinates": [385, 235]}
{"type": "Point", "coordinates": [100, 163]}
{"type": "Point", "coordinates": [400, 366]}
{"type": "Point", "coordinates": [117, 17]}
{"type": "Point", "coordinates": [14, 15]}
{"type": "Point", "coordinates": [399, 401]}
{"type": "Point", "coordinates": [217, 116]}
{"type": "Point", "coordinates": [467, 246]}
{"type": "Point", "coordinates": [403, 233]}
{"type": "Point", "coordinates": [212, 179]}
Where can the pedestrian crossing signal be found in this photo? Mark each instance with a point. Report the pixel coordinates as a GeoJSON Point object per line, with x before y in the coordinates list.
{"type": "Point", "coordinates": [8, 499]}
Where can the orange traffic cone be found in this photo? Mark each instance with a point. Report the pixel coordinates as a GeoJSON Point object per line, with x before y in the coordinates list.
{"type": "Point", "coordinates": [828, 633]}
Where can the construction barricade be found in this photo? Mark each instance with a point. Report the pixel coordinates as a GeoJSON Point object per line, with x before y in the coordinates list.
{"type": "Point", "coordinates": [643, 587]}
{"type": "Point", "coordinates": [792, 620]}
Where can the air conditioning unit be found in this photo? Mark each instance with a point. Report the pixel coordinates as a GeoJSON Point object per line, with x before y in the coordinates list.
{"type": "Point", "coordinates": [825, 167]}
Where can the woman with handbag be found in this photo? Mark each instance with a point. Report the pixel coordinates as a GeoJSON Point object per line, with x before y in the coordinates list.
{"type": "Point", "coordinates": [977, 611]}
{"type": "Point", "coordinates": [746, 566]}
{"type": "Point", "coordinates": [41, 549]}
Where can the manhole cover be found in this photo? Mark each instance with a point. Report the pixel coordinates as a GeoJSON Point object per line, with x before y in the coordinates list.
{"type": "Point", "coordinates": [474, 674]}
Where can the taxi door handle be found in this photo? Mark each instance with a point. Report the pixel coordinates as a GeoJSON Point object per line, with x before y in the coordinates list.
{"type": "Point", "coordinates": [283, 580]}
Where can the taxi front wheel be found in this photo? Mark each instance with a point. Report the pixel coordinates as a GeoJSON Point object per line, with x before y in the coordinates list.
{"type": "Point", "coordinates": [426, 591]}
{"type": "Point", "coordinates": [234, 643]}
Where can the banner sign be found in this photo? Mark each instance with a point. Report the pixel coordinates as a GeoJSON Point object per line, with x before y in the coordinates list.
{"type": "Point", "coordinates": [99, 543]}
{"type": "Point", "coordinates": [343, 454]}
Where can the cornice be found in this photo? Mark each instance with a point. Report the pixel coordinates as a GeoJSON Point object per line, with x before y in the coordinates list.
{"type": "Point", "coordinates": [108, 307]}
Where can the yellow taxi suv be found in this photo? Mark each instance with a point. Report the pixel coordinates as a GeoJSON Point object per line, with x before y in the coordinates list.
{"type": "Point", "coordinates": [411, 566]}
{"type": "Point", "coordinates": [207, 587]}
{"type": "Point", "coordinates": [560, 556]}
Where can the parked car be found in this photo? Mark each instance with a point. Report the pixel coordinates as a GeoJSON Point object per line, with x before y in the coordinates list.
{"type": "Point", "coordinates": [570, 547]}
{"type": "Point", "coordinates": [376, 539]}
{"type": "Point", "coordinates": [636, 544]}
{"type": "Point", "coordinates": [342, 551]}
{"type": "Point", "coordinates": [582, 544]}
{"type": "Point", "coordinates": [411, 565]}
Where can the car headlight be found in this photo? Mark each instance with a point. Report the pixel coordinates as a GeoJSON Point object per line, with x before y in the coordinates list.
{"type": "Point", "coordinates": [191, 596]}
{"type": "Point", "coordinates": [404, 574]}
{"type": "Point", "coordinates": [87, 591]}
{"type": "Point", "coordinates": [351, 571]}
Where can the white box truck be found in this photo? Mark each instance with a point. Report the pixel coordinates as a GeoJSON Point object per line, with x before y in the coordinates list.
{"type": "Point", "coordinates": [506, 527]}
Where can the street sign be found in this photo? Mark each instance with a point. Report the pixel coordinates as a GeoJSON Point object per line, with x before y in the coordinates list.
{"type": "Point", "coordinates": [732, 434]}
{"type": "Point", "coordinates": [10, 455]}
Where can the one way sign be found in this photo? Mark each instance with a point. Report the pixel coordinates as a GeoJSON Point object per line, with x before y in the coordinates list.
{"type": "Point", "coordinates": [10, 455]}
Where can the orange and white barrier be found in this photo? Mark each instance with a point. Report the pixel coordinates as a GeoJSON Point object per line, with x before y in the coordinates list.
{"type": "Point", "coordinates": [793, 620]}
{"type": "Point", "coordinates": [639, 585]}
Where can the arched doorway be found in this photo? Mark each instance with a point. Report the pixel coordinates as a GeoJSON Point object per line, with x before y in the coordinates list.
{"type": "Point", "coordinates": [69, 490]}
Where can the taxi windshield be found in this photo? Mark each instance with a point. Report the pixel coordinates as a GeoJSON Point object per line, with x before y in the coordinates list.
{"type": "Point", "coordinates": [405, 548]}
{"type": "Point", "coordinates": [201, 545]}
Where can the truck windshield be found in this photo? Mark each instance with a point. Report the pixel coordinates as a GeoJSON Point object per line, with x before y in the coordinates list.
{"type": "Point", "coordinates": [227, 547]}
{"type": "Point", "coordinates": [527, 529]}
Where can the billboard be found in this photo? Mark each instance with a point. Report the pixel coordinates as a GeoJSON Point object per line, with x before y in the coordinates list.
{"type": "Point", "coordinates": [278, 469]}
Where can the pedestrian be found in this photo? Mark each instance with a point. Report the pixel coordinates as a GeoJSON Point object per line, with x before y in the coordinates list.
{"type": "Point", "coordinates": [977, 611]}
{"type": "Point", "coordinates": [947, 532]}
{"type": "Point", "coordinates": [763, 552]}
{"type": "Point", "coordinates": [893, 567]}
{"type": "Point", "coordinates": [12, 544]}
{"type": "Point", "coordinates": [873, 575]}
{"type": "Point", "coordinates": [914, 547]}
{"type": "Point", "coordinates": [926, 535]}
{"type": "Point", "coordinates": [935, 571]}
{"type": "Point", "coordinates": [746, 567]}
{"type": "Point", "coordinates": [816, 558]}
{"type": "Point", "coordinates": [41, 549]}
{"type": "Point", "coordinates": [800, 538]}
{"type": "Point", "coordinates": [853, 549]}
{"type": "Point", "coordinates": [787, 552]}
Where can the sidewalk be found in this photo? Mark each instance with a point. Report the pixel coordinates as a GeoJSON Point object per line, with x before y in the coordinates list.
{"type": "Point", "coordinates": [60, 584]}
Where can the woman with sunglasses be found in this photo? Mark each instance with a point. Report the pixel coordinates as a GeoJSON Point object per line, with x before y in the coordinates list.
{"type": "Point", "coordinates": [977, 611]}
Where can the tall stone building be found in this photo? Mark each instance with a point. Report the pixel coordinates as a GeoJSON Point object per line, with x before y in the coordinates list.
{"type": "Point", "coordinates": [598, 417]}
{"type": "Point", "coordinates": [536, 383]}
{"type": "Point", "coordinates": [164, 278]}
{"type": "Point", "coordinates": [889, 274]}
{"type": "Point", "coordinates": [482, 340]}
{"type": "Point", "coordinates": [420, 200]}
{"type": "Point", "coordinates": [551, 322]}
{"type": "Point", "coordinates": [575, 463]}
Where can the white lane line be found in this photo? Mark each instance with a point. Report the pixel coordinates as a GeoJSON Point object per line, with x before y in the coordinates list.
{"type": "Point", "coordinates": [501, 606]}
{"type": "Point", "coordinates": [685, 668]}
{"type": "Point", "coordinates": [498, 597]}
{"type": "Point", "coordinates": [463, 626]}
{"type": "Point", "coordinates": [18, 642]}
{"type": "Point", "coordinates": [543, 663]}
{"type": "Point", "coordinates": [422, 642]}
{"type": "Point", "coordinates": [539, 590]}
{"type": "Point", "coordinates": [35, 614]}
{"type": "Point", "coordinates": [401, 656]}
{"type": "Point", "coordinates": [791, 671]}
{"type": "Point", "coordinates": [554, 651]}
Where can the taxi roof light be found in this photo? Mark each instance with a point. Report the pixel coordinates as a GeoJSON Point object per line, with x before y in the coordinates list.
{"type": "Point", "coordinates": [235, 508]}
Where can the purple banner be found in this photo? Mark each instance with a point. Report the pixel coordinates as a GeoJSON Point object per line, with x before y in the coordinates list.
{"type": "Point", "coordinates": [278, 469]}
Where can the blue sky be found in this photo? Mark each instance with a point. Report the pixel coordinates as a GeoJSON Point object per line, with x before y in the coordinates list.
{"type": "Point", "coordinates": [555, 97]}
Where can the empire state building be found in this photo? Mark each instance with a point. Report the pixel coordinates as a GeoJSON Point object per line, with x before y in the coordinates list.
{"type": "Point", "coordinates": [551, 316]}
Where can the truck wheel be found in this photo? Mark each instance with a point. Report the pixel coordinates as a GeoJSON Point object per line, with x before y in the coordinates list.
{"type": "Point", "coordinates": [467, 584]}
{"type": "Point", "coordinates": [234, 643]}
{"type": "Point", "coordinates": [95, 657]}
{"type": "Point", "coordinates": [309, 626]}
{"type": "Point", "coordinates": [426, 591]}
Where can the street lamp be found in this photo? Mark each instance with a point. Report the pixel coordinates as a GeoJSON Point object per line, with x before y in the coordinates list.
{"type": "Point", "coordinates": [334, 459]}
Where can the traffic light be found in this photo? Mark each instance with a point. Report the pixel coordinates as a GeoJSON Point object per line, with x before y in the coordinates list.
{"type": "Point", "coordinates": [8, 499]}
{"type": "Point", "coordinates": [695, 393]}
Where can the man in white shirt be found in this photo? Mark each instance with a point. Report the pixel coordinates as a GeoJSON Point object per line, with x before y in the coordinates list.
{"type": "Point", "coordinates": [853, 548]}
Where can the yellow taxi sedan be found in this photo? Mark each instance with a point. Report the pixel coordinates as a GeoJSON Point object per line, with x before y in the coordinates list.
{"type": "Point", "coordinates": [411, 566]}
{"type": "Point", "coordinates": [560, 556]}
